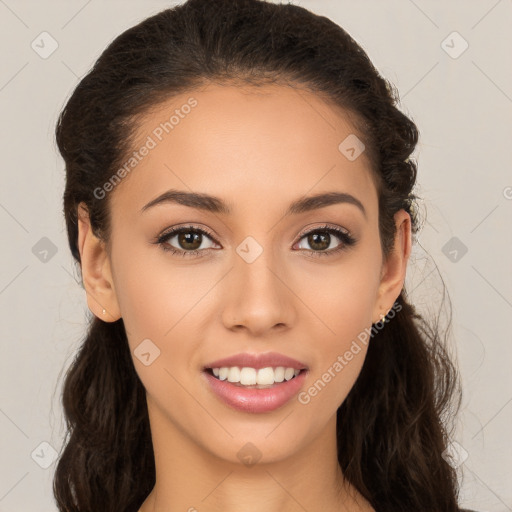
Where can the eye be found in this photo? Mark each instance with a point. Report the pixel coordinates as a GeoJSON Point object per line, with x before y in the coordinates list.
{"type": "Point", "coordinates": [321, 239]}
{"type": "Point", "coordinates": [189, 240]}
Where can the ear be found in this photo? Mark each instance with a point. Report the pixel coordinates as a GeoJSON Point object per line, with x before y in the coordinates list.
{"type": "Point", "coordinates": [394, 269]}
{"type": "Point", "coordinates": [96, 271]}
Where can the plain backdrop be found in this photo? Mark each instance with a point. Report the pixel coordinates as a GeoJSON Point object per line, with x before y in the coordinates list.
{"type": "Point", "coordinates": [451, 62]}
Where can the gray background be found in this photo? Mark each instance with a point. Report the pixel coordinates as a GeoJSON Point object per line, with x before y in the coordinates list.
{"type": "Point", "coordinates": [462, 104]}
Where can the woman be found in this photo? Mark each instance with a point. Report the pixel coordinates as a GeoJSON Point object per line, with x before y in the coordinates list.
{"type": "Point", "coordinates": [239, 200]}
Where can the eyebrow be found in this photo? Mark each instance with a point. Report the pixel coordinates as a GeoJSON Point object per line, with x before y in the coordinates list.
{"type": "Point", "coordinates": [214, 204]}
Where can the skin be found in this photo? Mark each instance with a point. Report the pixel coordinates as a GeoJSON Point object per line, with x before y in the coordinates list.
{"type": "Point", "coordinates": [259, 150]}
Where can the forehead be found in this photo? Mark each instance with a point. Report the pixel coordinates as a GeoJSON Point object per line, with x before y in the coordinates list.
{"type": "Point", "coordinates": [246, 144]}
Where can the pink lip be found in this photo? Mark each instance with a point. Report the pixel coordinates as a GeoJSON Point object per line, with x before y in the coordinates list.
{"type": "Point", "coordinates": [258, 361]}
{"type": "Point", "coordinates": [255, 400]}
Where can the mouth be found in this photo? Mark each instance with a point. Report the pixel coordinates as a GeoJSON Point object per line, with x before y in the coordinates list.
{"type": "Point", "coordinates": [251, 378]}
{"type": "Point", "coordinates": [252, 390]}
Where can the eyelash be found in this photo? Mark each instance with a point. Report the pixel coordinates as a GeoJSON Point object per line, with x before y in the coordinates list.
{"type": "Point", "coordinates": [346, 239]}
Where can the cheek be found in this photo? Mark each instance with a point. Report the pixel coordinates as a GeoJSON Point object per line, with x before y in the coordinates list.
{"type": "Point", "coordinates": [342, 302]}
{"type": "Point", "coordinates": [341, 292]}
{"type": "Point", "coordinates": [154, 303]}
{"type": "Point", "coordinates": [341, 297]}
{"type": "Point", "coordinates": [339, 354]}
{"type": "Point", "coordinates": [151, 294]}
{"type": "Point", "coordinates": [161, 302]}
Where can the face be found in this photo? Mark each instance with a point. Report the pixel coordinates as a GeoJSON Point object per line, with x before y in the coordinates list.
{"type": "Point", "coordinates": [256, 279]}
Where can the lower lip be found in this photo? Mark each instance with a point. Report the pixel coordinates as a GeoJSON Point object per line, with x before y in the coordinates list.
{"type": "Point", "coordinates": [256, 400]}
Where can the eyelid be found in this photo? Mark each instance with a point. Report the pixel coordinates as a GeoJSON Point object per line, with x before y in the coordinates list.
{"type": "Point", "coordinates": [176, 229]}
{"type": "Point", "coordinates": [324, 226]}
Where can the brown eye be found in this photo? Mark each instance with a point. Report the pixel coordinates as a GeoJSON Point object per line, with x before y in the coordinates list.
{"type": "Point", "coordinates": [320, 239]}
{"type": "Point", "coordinates": [189, 241]}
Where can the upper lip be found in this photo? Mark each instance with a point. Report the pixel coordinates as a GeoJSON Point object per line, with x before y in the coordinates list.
{"type": "Point", "coordinates": [257, 361]}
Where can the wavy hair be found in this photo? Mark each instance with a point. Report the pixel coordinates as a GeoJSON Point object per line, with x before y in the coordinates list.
{"type": "Point", "coordinates": [392, 429]}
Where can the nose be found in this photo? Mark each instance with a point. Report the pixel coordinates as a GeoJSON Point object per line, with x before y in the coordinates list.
{"type": "Point", "coordinates": [258, 296]}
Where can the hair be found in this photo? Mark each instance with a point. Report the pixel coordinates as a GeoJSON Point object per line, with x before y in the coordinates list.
{"type": "Point", "coordinates": [392, 427]}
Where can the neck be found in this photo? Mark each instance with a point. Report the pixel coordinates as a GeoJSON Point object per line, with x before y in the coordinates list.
{"type": "Point", "coordinates": [193, 479]}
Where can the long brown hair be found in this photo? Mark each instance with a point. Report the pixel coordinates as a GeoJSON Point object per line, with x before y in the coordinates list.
{"type": "Point", "coordinates": [392, 429]}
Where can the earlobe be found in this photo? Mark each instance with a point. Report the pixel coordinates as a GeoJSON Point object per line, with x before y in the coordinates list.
{"type": "Point", "coordinates": [394, 269]}
{"type": "Point", "coordinates": [96, 272]}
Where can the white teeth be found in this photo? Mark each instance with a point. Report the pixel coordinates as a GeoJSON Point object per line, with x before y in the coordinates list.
{"type": "Point", "coordinates": [265, 376]}
{"type": "Point", "coordinates": [279, 374]}
{"type": "Point", "coordinates": [289, 373]}
{"type": "Point", "coordinates": [247, 376]}
{"type": "Point", "coordinates": [234, 374]}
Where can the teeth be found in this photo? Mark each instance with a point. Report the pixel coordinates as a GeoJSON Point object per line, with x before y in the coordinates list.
{"type": "Point", "coordinates": [234, 374]}
{"type": "Point", "coordinates": [247, 376]}
{"type": "Point", "coordinates": [279, 374]}
{"type": "Point", "coordinates": [289, 373]}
